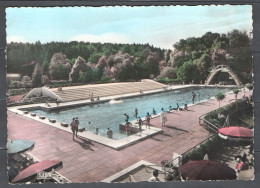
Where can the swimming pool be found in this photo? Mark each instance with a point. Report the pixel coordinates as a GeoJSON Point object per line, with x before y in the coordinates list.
{"type": "Point", "coordinates": [106, 115]}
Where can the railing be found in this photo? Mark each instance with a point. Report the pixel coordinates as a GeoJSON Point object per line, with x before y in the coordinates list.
{"type": "Point", "coordinates": [194, 147]}
{"type": "Point", "coordinates": [172, 166]}
{"type": "Point", "coordinates": [203, 121]}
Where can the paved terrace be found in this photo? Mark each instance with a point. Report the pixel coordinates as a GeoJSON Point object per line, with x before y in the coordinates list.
{"type": "Point", "coordinates": [86, 161]}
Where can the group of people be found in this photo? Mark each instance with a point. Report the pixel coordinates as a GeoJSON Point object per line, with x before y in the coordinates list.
{"type": "Point", "coordinates": [56, 101]}
{"type": "Point", "coordinates": [163, 117]}
{"type": "Point", "coordinates": [243, 162]}
{"type": "Point", "coordinates": [140, 121]}
{"type": "Point", "coordinates": [91, 97]}
{"type": "Point", "coordinates": [185, 108]}
{"type": "Point", "coordinates": [74, 127]}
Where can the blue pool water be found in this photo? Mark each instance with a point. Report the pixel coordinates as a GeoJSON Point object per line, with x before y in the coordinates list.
{"type": "Point", "coordinates": [106, 115]}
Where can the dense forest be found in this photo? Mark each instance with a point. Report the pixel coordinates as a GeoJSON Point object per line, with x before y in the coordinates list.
{"type": "Point", "coordinates": [189, 60]}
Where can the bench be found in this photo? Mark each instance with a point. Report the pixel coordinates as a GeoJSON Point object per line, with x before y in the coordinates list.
{"type": "Point", "coordinates": [64, 124]}
{"type": "Point", "coordinates": [52, 120]}
{"type": "Point", "coordinates": [41, 117]}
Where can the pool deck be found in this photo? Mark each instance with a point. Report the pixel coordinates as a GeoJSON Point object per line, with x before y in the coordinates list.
{"type": "Point", "coordinates": [115, 144]}
{"type": "Point", "coordinates": [89, 161]}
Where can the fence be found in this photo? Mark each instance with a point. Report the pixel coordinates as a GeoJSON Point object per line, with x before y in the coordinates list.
{"type": "Point", "coordinates": [211, 126]}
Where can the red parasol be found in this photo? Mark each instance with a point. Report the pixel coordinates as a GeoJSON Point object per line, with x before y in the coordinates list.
{"type": "Point", "coordinates": [207, 170]}
{"type": "Point", "coordinates": [240, 132]}
{"type": "Point", "coordinates": [36, 168]}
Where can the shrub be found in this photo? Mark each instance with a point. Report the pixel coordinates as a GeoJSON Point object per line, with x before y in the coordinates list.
{"type": "Point", "coordinates": [235, 110]}
{"type": "Point", "coordinates": [220, 96]}
{"type": "Point", "coordinates": [236, 91]}
{"type": "Point", "coordinates": [209, 147]}
{"type": "Point", "coordinates": [168, 80]}
{"type": "Point", "coordinates": [45, 80]}
{"type": "Point", "coordinates": [249, 86]}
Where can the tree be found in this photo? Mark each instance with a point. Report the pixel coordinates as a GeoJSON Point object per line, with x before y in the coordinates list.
{"type": "Point", "coordinates": [167, 72]}
{"type": "Point", "coordinates": [27, 81]}
{"type": "Point", "coordinates": [45, 79]}
{"type": "Point", "coordinates": [60, 67]}
{"type": "Point", "coordinates": [238, 39]}
{"type": "Point", "coordinates": [37, 76]}
{"type": "Point", "coordinates": [45, 67]}
{"type": "Point", "coordinates": [236, 91]}
{"type": "Point", "coordinates": [88, 76]}
{"type": "Point", "coordinates": [187, 72]}
{"type": "Point", "coordinates": [220, 96]}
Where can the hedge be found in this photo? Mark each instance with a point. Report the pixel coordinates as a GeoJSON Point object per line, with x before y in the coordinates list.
{"type": "Point", "coordinates": [235, 110]}
{"type": "Point", "coordinates": [209, 147]}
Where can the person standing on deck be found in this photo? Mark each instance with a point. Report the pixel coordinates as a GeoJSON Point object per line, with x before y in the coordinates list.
{"type": "Point", "coordinates": [73, 127]}
{"type": "Point", "coordinates": [140, 122]}
{"type": "Point", "coordinates": [148, 118]}
{"type": "Point", "coordinates": [127, 127]}
{"type": "Point", "coordinates": [163, 117]}
{"type": "Point", "coordinates": [76, 126]}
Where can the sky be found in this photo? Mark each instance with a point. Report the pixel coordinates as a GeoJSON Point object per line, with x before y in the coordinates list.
{"type": "Point", "coordinates": [160, 26]}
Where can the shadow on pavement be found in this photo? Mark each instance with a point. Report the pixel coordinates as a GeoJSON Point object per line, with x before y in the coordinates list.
{"type": "Point", "coordinates": [170, 127]}
{"type": "Point", "coordinates": [85, 144]}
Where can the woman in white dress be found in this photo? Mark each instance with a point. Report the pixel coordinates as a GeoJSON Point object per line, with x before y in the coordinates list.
{"type": "Point", "coordinates": [163, 117]}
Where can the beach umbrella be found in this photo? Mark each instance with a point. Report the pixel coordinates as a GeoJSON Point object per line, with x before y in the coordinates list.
{"type": "Point", "coordinates": [19, 146]}
{"type": "Point", "coordinates": [33, 169]}
{"type": "Point", "coordinates": [235, 133]}
{"type": "Point", "coordinates": [207, 170]}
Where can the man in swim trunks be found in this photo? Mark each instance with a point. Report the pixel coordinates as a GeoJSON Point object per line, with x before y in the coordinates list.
{"type": "Point", "coordinates": [140, 122]}
{"type": "Point", "coordinates": [73, 127]}
{"type": "Point", "coordinates": [127, 127]}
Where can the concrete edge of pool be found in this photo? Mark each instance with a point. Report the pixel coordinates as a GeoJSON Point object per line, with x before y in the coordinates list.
{"type": "Point", "coordinates": [129, 169]}
{"type": "Point", "coordinates": [115, 144]}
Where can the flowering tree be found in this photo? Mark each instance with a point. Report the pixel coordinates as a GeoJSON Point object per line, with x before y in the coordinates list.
{"type": "Point", "coordinates": [59, 68]}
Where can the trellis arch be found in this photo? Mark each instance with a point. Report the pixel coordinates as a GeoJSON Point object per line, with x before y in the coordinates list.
{"type": "Point", "coordinates": [218, 68]}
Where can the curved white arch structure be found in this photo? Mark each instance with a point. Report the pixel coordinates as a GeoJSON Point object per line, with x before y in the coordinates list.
{"type": "Point", "coordinates": [42, 91]}
{"type": "Point", "coordinates": [218, 68]}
